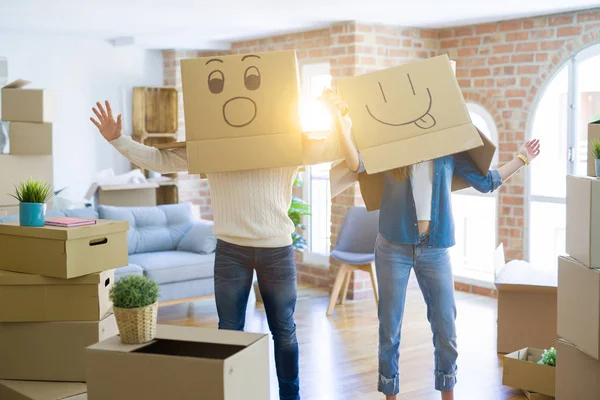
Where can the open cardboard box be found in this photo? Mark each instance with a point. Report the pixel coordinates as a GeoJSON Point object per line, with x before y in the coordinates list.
{"type": "Point", "coordinates": [577, 374]}
{"type": "Point", "coordinates": [583, 220]}
{"type": "Point", "coordinates": [527, 305]}
{"type": "Point", "coordinates": [579, 305]}
{"type": "Point", "coordinates": [26, 105]}
{"type": "Point", "coordinates": [50, 351]}
{"type": "Point", "coordinates": [30, 390]}
{"type": "Point", "coordinates": [183, 363]}
{"type": "Point", "coordinates": [64, 252]}
{"type": "Point", "coordinates": [35, 298]}
{"type": "Point", "coordinates": [522, 371]}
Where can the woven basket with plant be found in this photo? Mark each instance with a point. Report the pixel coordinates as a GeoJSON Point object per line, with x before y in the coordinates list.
{"type": "Point", "coordinates": [135, 305]}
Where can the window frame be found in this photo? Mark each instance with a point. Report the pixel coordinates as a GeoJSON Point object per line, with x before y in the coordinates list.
{"type": "Point", "coordinates": [308, 256]}
{"type": "Point", "coordinates": [573, 106]}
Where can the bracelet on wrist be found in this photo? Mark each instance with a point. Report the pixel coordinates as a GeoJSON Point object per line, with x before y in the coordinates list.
{"type": "Point", "coordinates": [523, 158]}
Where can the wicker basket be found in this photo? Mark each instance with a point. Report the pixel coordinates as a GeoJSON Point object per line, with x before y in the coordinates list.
{"type": "Point", "coordinates": [137, 325]}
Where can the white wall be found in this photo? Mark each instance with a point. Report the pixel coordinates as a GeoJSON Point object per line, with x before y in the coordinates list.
{"type": "Point", "coordinates": [81, 71]}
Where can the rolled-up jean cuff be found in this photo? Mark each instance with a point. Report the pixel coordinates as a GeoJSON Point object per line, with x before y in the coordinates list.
{"type": "Point", "coordinates": [444, 382]}
{"type": "Point", "coordinates": [389, 386]}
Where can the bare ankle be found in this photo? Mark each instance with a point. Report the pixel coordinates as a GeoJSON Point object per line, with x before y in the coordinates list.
{"type": "Point", "coordinates": [448, 395]}
{"type": "Point", "coordinates": [392, 397]}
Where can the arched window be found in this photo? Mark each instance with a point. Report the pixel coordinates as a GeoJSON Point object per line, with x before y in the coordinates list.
{"type": "Point", "coordinates": [475, 217]}
{"type": "Point", "coordinates": [567, 104]}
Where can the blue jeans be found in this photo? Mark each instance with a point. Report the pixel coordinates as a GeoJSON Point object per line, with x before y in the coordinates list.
{"type": "Point", "coordinates": [393, 262]}
{"type": "Point", "coordinates": [276, 273]}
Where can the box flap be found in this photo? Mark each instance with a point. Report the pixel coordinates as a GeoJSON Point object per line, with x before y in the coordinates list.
{"type": "Point", "coordinates": [18, 279]}
{"type": "Point", "coordinates": [183, 333]}
{"type": "Point", "coordinates": [102, 227]}
{"type": "Point", "coordinates": [341, 178]}
{"type": "Point", "coordinates": [130, 186]}
{"type": "Point", "coordinates": [415, 110]}
{"type": "Point", "coordinates": [520, 276]}
{"type": "Point", "coordinates": [44, 390]}
{"type": "Point", "coordinates": [18, 84]}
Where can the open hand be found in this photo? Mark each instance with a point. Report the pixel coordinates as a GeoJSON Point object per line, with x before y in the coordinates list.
{"type": "Point", "coordinates": [338, 108]}
{"type": "Point", "coordinates": [530, 149]}
{"type": "Point", "coordinates": [106, 124]}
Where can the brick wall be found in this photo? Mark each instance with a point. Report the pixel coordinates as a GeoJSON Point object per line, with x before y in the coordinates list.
{"type": "Point", "coordinates": [501, 66]}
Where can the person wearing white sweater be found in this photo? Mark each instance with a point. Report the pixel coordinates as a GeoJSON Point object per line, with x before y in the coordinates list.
{"type": "Point", "coordinates": [254, 232]}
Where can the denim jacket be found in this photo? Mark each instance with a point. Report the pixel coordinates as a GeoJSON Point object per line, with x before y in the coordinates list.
{"type": "Point", "coordinates": [398, 216]}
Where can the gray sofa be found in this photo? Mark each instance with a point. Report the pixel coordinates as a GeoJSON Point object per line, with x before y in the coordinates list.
{"type": "Point", "coordinates": [165, 244]}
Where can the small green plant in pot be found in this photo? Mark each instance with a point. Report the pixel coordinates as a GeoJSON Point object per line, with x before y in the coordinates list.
{"type": "Point", "coordinates": [135, 305]}
{"type": "Point", "coordinates": [549, 357]}
{"type": "Point", "coordinates": [595, 144]}
{"type": "Point", "coordinates": [32, 196]}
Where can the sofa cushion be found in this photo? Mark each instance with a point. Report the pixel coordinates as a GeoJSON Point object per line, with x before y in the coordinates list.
{"type": "Point", "coordinates": [200, 238]}
{"type": "Point", "coordinates": [131, 269]}
{"type": "Point", "coordinates": [87, 212]}
{"type": "Point", "coordinates": [152, 229]}
{"type": "Point", "coordinates": [175, 266]}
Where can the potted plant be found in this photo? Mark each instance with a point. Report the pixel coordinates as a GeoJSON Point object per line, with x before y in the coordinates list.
{"type": "Point", "coordinates": [32, 196]}
{"type": "Point", "coordinates": [596, 154]}
{"type": "Point", "coordinates": [135, 306]}
{"type": "Point", "coordinates": [549, 357]}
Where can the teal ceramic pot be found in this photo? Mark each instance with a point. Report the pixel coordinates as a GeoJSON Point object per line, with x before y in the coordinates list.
{"type": "Point", "coordinates": [32, 214]}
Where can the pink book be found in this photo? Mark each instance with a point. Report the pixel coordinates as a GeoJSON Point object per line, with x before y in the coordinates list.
{"type": "Point", "coordinates": [69, 222]}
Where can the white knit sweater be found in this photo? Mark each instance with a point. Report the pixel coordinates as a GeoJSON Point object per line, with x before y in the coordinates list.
{"type": "Point", "coordinates": [250, 208]}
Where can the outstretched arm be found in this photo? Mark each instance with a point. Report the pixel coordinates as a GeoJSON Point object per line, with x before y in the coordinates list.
{"type": "Point", "coordinates": [465, 169]}
{"type": "Point", "coordinates": [147, 157]}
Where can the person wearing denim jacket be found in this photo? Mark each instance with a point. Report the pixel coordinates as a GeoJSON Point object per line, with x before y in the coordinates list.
{"type": "Point", "coordinates": [406, 241]}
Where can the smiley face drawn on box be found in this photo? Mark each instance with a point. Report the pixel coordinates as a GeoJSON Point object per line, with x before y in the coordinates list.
{"type": "Point", "coordinates": [241, 95]}
{"type": "Point", "coordinates": [422, 119]}
{"type": "Point", "coordinates": [408, 114]}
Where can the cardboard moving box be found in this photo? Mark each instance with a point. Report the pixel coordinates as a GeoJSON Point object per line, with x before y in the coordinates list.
{"type": "Point", "coordinates": [29, 390]}
{"type": "Point", "coordinates": [21, 168]}
{"type": "Point", "coordinates": [64, 252]}
{"type": "Point", "coordinates": [408, 114]}
{"type": "Point", "coordinates": [579, 305]}
{"type": "Point", "coordinates": [527, 305]}
{"type": "Point", "coordinates": [183, 363]}
{"type": "Point", "coordinates": [577, 374]}
{"type": "Point", "coordinates": [26, 105]}
{"type": "Point", "coordinates": [35, 298]}
{"type": "Point", "coordinates": [372, 185]}
{"type": "Point", "coordinates": [50, 351]}
{"type": "Point", "coordinates": [130, 195]}
{"type": "Point", "coordinates": [583, 219]}
{"type": "Point", "coordinates": [28, 138]}
{"type": "Point", "coordinates": [536, 396]}
{"type": "Point", "coordinates": [521, 371]}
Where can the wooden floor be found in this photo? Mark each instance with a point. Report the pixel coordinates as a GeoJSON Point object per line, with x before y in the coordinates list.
{"type": "Point", "coordinates": [338, 354]}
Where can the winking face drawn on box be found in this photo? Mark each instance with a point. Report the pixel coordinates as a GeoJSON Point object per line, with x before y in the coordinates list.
{"type": "Point", "coordinates": [242, 112]}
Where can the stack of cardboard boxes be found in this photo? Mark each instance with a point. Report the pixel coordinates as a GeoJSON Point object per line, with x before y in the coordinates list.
{"type": "Point", "coordinates": [578, 346]}
{"type": "Point", "coordinates": [30, 113]}
{"type": "Point", "coordinates": [54, 302]}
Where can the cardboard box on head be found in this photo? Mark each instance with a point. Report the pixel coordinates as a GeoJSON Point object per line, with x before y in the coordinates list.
{"type": "Point", "coordinates": [408, 114]}
{"type": "Point", "coordinates": [242, 112]}
{"type": "Point", "coordinates": [371, 186]}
